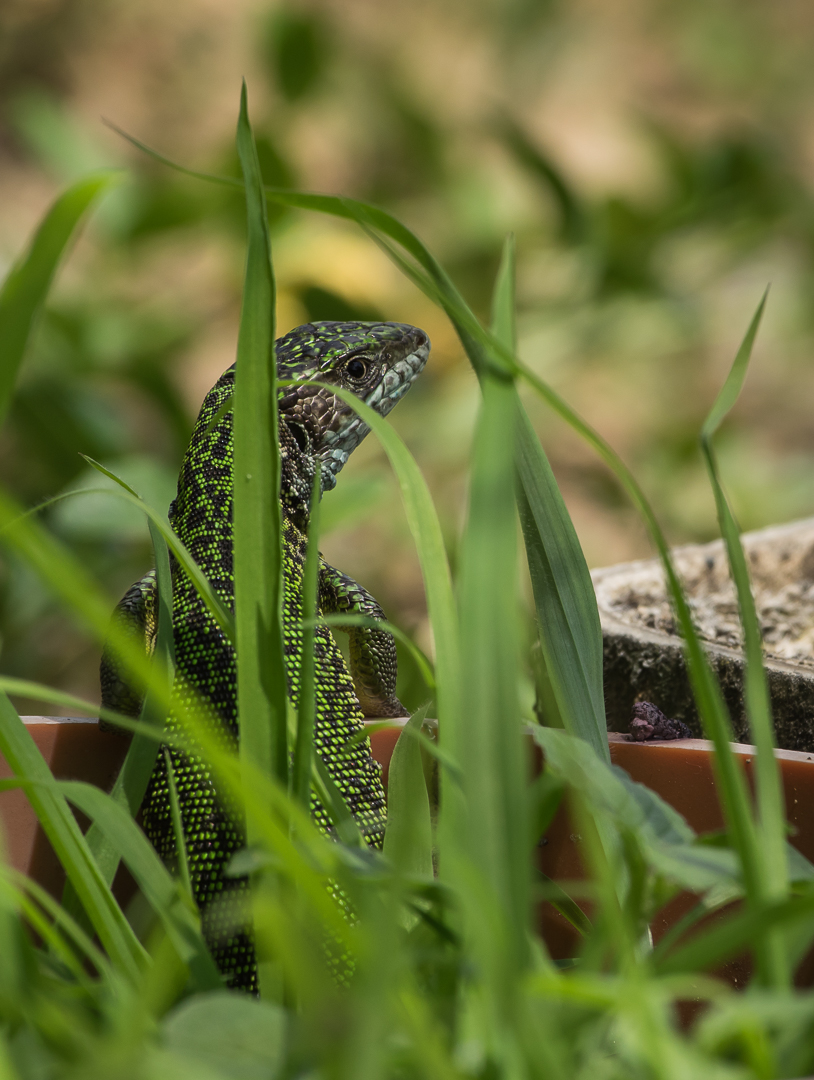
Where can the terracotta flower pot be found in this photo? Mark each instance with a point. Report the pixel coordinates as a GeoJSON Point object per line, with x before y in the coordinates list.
{"type": "Point", "coordinates": [75, 749]}
{"type": "Point", "coordinates": [679, 771]}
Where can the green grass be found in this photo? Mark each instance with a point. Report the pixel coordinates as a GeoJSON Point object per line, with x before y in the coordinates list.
{"type": "Point", "coordinates": [447, 975]}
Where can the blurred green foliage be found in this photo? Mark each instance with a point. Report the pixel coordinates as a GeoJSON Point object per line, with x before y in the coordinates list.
{"type": "Point", "coordinates": [632, 290]}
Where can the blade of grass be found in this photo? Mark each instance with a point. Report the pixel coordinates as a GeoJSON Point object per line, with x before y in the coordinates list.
{"type": "Point", "coordinates": [346, 620]}
{"type": "Point", "coordinates": [59, 498]}
{"type": "Point", "coordinates": [61, 828]}
{"type": "Point", "coordinates": [738, 933]}
{"type": "Point", "coordinates": [770, 848]}
{"type": "Point", "coordinates": [262, 703]}
{"type": "Point", "coordinates": [331, 798]}
{"type": "Point", "coordinates": [257, 517]}
{"type": "Point", "coordinates": [131, 783]}
{"type": "Point", "coordinates": [504, 314]}
{"type": "Point", "coordinates": [153, 878]}
{"type": "Point", "coordinates": [327, 791]}
{"type": "Point", "coordinates": [567, 615]}
{"type": "Point", "coordinates": [244, 785]}
{"type": "Point", "coordinates": [408, 837]}
{"type": "Point", "coordinates": [24, 290]}
{"type": "Point", "coordinates": [428, 538]}
{"type": "Point", "coordinates": [490, 750]}
{"type": "Point", "coordinates": [580, 650]}
{"type": "Point", "coordinates": [69, 927]}
{"type": "Point", "coordinates": [48, 930]}
{"type": "Point", "coordinates": [158, 523]}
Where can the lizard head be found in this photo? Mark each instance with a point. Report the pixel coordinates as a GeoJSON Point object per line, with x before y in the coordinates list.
{"type": "Point", "coordinates": [377, 362]}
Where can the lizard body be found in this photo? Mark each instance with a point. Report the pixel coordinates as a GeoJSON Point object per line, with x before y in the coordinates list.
{"type": "Point", "coordinates": [378, 362]}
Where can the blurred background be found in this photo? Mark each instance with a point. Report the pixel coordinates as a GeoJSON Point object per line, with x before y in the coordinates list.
{"type": "Point", "coordinates": [655, 159]}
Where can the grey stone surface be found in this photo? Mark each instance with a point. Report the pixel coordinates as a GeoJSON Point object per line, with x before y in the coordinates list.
{"type": "Point", "coordinates": [644, 657]}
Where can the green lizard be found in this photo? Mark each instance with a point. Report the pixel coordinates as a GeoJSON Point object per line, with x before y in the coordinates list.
{"type": "Point", "coordinates": [378, 362]}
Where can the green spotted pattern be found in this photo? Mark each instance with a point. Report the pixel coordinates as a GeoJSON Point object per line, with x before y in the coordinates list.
{"type": "Point", "coordinates": [378, 361]}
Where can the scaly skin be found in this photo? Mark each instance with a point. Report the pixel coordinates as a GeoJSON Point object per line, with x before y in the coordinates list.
{"type": "Point", "coordinates": [378, 362]}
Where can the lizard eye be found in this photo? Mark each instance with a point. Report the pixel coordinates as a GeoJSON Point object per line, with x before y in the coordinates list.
{"type": "Point", "coordinates": [356, 369]}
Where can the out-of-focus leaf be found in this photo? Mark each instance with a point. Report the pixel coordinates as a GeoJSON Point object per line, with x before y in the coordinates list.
{"type": "Point", "coordinates": [770, 880]}
{"type": "Point", "coordinates": [296, 51]}
{"type": "Point", "coordinates": [261, 676]}
{"type": "Point", "coordinates": [97, 517]}
{"type": "Point", "coordinates": [152, 876]}
{"type": "Point", "coordinates": [238, 1037]}
{"type": "Point", "coordinates": [408, 838]}
{"type": "Point", "coordinates": [321, 303]}
{"type": "Point", "coordinates": [741, 931]}
{"type": "Point", "coordinates": [351, 502]}
{"type": "Point", "coordinates": [486, 828]}
{"type": "Point", "coordinates": [573, 218]}
{"type": "Point", "coordinates": [54, 135]}
{"type": "Point", "coordinates": [59, 824]}
{"type": "Point", "coordinates": [24, 290]}
{"type": "Point", "coordinates": [666, 839]}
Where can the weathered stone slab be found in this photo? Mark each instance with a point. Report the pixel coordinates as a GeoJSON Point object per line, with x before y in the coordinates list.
{"type": "Point", "coordinates": [643, 654]}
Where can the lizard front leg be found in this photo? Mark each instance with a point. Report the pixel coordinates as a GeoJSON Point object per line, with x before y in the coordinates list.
{"type": "Point", "coordinates": [373, 663]}
{"type": "Point", "coordinates": [136, 617]}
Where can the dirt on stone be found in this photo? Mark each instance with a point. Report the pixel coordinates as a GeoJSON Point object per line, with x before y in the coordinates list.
{"type": "Point", "coordinates": [781, 565]}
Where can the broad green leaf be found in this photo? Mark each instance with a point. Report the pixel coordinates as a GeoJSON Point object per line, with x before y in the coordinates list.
{"type": "Point", "coordinates": [666, 839]}
{"type": "Point", "coordinates": [567, 615]}
{"type": "Point", "coordinates": [408, 838]}
{"type": "Point", "coordinates": [240, 1038]}
{"type": "Point", "coordinates": [26, 287]}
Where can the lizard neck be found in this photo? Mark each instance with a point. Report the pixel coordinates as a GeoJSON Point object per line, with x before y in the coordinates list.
{"type": "Point", "coordinates": [201, 513]}
{"type": "Point", "coordinates": [297, 468]}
